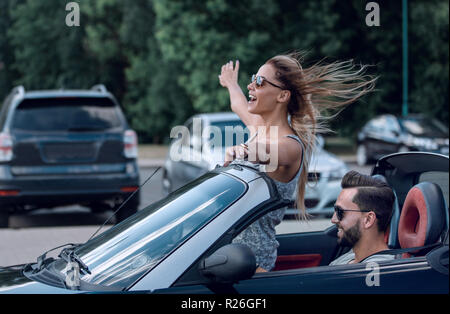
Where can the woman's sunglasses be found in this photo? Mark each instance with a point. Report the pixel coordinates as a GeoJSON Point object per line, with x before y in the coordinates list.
{"type": "Point", "coordinates": [259, 81]}
{"type": "Point", "coordinates": [340, 211]}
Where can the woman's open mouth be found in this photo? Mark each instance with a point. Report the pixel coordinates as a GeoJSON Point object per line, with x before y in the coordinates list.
{"type": "Point", "coordinates": [251, 98]}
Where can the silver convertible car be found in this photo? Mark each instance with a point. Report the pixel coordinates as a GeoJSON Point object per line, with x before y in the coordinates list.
{"type": "Point", "coordinates": [183, 243]}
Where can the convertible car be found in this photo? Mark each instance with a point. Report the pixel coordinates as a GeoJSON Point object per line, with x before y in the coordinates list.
{"type": "Point", "coordinates": [183, 243]}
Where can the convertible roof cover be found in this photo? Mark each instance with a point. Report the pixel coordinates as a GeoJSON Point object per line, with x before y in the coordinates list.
{"type": "Point", "coordinates": [412, 162]}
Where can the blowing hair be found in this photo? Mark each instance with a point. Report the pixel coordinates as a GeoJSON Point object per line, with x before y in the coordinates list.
{"type": "Point", "coordinates": [373, 194]}
{"type": "Point", "coordinates": [317, 93]}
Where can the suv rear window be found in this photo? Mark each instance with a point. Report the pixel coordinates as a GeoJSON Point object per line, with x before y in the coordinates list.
{"type": "Point", "coordinates": [66, 114]}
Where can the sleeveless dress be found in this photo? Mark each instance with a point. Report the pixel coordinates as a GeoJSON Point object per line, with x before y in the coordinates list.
{"type": "Point", "coordinates": [260, 235]}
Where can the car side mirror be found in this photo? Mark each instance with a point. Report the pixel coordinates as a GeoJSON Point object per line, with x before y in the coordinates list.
{"type": "Point", "coordinates": [229, 264]}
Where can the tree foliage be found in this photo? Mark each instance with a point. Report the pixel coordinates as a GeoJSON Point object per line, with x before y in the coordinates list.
{"type": "Point", "coordinates": [161, 58]}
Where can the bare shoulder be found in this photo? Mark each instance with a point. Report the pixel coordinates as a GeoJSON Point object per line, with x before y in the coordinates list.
{"type": "Point", "coordinates": [289, 150]}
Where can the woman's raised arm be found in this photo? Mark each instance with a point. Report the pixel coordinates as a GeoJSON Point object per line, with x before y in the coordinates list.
{"type": "Point", "coordinates": [229, 79]}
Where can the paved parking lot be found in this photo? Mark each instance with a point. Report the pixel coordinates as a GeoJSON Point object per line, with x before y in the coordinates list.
{"type": "Point", "coordinates": [31, 235]}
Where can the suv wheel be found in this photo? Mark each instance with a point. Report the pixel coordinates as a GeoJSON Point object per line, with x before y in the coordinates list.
{"type": "Point", "coordinates": [361, 155]}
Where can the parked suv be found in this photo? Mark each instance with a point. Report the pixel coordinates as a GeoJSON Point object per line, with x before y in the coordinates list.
{"type": "Point", "coordinates": [64, 147]}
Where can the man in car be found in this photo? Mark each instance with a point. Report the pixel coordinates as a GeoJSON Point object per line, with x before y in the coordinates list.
{"type": "Point", "coordinates": [362, 214]}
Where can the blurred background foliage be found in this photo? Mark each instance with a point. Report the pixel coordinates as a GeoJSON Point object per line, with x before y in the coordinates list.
{"type": "Point", "coordinates": [161, 58]}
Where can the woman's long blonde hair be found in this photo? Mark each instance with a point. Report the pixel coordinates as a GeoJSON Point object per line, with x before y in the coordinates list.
{"type": "Point", "coordinates": [316, 94]}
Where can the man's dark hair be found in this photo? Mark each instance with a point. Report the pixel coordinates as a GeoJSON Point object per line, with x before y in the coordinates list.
{"type": "Point", "coordinates": [373, 194]}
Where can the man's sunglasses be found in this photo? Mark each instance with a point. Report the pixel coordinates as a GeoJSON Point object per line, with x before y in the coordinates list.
{"type": "Point", "coordinates": [340, 211]}
{"type": "Point", "coordinates": [259, 81]}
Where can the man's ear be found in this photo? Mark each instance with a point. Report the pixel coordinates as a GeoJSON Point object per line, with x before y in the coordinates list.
{"type": "Point", "coordinates": [370, 220]}
{"type": "Point", "coordinates": [284, 96]}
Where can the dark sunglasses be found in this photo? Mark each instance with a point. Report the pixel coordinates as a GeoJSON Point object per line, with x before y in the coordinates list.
{"type": "Point", "coordinates": [259, 80]}
{"type": "Point", "coordinates": [340, 211]}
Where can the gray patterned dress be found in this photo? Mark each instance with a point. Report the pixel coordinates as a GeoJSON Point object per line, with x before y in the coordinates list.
{"type": "Point", "coordinates": [260, 236]}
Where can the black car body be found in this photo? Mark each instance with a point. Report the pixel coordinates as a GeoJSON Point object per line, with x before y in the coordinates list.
{"type": "Point", "coordinates": [387, 134]}
{"type": "Point", "coordinates": [63, 147]}
{"type": "Point", "coordinates": [183, 244]}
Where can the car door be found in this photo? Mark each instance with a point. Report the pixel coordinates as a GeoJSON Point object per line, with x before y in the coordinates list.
{"type": "Point", "coordinates": [302, 244]}
{"type": "Point", "coordinates": [413, 275]}
{"type": "Point", "coordinates": [307, 248]}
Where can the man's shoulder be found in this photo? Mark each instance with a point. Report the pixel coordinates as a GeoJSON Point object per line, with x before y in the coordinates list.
{"type": "Point", "coordinates": [379, 258]}
{"type": "Point", "coordinates": [350, 255]}
{"type": "Point", "coordinates": [344, 259]}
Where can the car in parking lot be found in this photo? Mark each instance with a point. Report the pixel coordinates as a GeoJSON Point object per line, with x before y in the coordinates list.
{"type": "Point", "coordinates": [183, 243]}
{"type": "Point", "coordinates": [195, 157]}
{"type": "Point", "coordinates": [64, 147]}
{"type": "Point", "coordinates": [387, 134]}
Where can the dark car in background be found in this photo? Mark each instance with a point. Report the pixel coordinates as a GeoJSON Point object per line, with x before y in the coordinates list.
{"type": "Point", "coordinates": [64, 147]}
{"type": "Point", "coordinates": [387, 134]}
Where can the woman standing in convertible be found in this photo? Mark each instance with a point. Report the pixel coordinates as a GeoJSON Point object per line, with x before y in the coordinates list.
{"type": "Point", "coordinates": [285, 106]}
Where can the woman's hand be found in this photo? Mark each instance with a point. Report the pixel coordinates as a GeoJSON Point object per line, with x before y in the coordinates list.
{"type": "Point", "coordinates": [235, 152]}
{"type": "Point", "coordinates": [229, 74]}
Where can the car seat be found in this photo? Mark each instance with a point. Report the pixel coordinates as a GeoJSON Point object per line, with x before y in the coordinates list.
{"type": "Point", "coordinates": [423, 217]}
{"type": "Point", "coordinates": [391, 235]}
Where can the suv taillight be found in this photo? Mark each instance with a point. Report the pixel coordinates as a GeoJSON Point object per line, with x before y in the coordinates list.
{"type": "Point", "coordinates": [130, 144]}
{"type": "Point", "coordinates": [5, 147]}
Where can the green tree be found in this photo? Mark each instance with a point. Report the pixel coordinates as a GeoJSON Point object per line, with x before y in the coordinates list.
{"type": "Point", "coordinates": [161, 58]}
{"type": "Point", "coordinates": [103, 41]}
{"type": "Point", "coordinates": [6, 55]}
{"type": "Point", "coordinates": [153, 99]}
{"type": "Point", "coordinates": [47, 53]}
{"type": "Point", "coordinates": [201, 36]}
{"type": "Point", "coordinates": [429, 58]}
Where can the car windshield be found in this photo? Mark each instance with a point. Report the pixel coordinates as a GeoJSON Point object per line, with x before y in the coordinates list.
{"type": "Point", "coordinates": [232, 133]}
{"type": "Point", "coordinates": [425, 127]}
{"type": "Point", "coordinates": [121, 255]}
{"type": "Point", "coordinates": [66, 114]}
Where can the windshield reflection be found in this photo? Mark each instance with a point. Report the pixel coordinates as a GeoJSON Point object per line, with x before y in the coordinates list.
{"type": "Point", "coordinates": [120, 255]}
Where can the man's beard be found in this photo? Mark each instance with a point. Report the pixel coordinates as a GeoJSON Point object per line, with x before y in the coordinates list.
{"type": "Point", "coordinates": [351, 236]}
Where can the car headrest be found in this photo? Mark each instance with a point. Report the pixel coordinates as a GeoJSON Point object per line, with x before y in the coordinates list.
{"type": "Point", "coordinates": [391, 235]}
{"type": "Point", "coordinates": [422, 220]}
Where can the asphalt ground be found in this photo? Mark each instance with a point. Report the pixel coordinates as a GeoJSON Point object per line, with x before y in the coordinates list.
{"type": "Point", "coordinates": [29, 235]}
